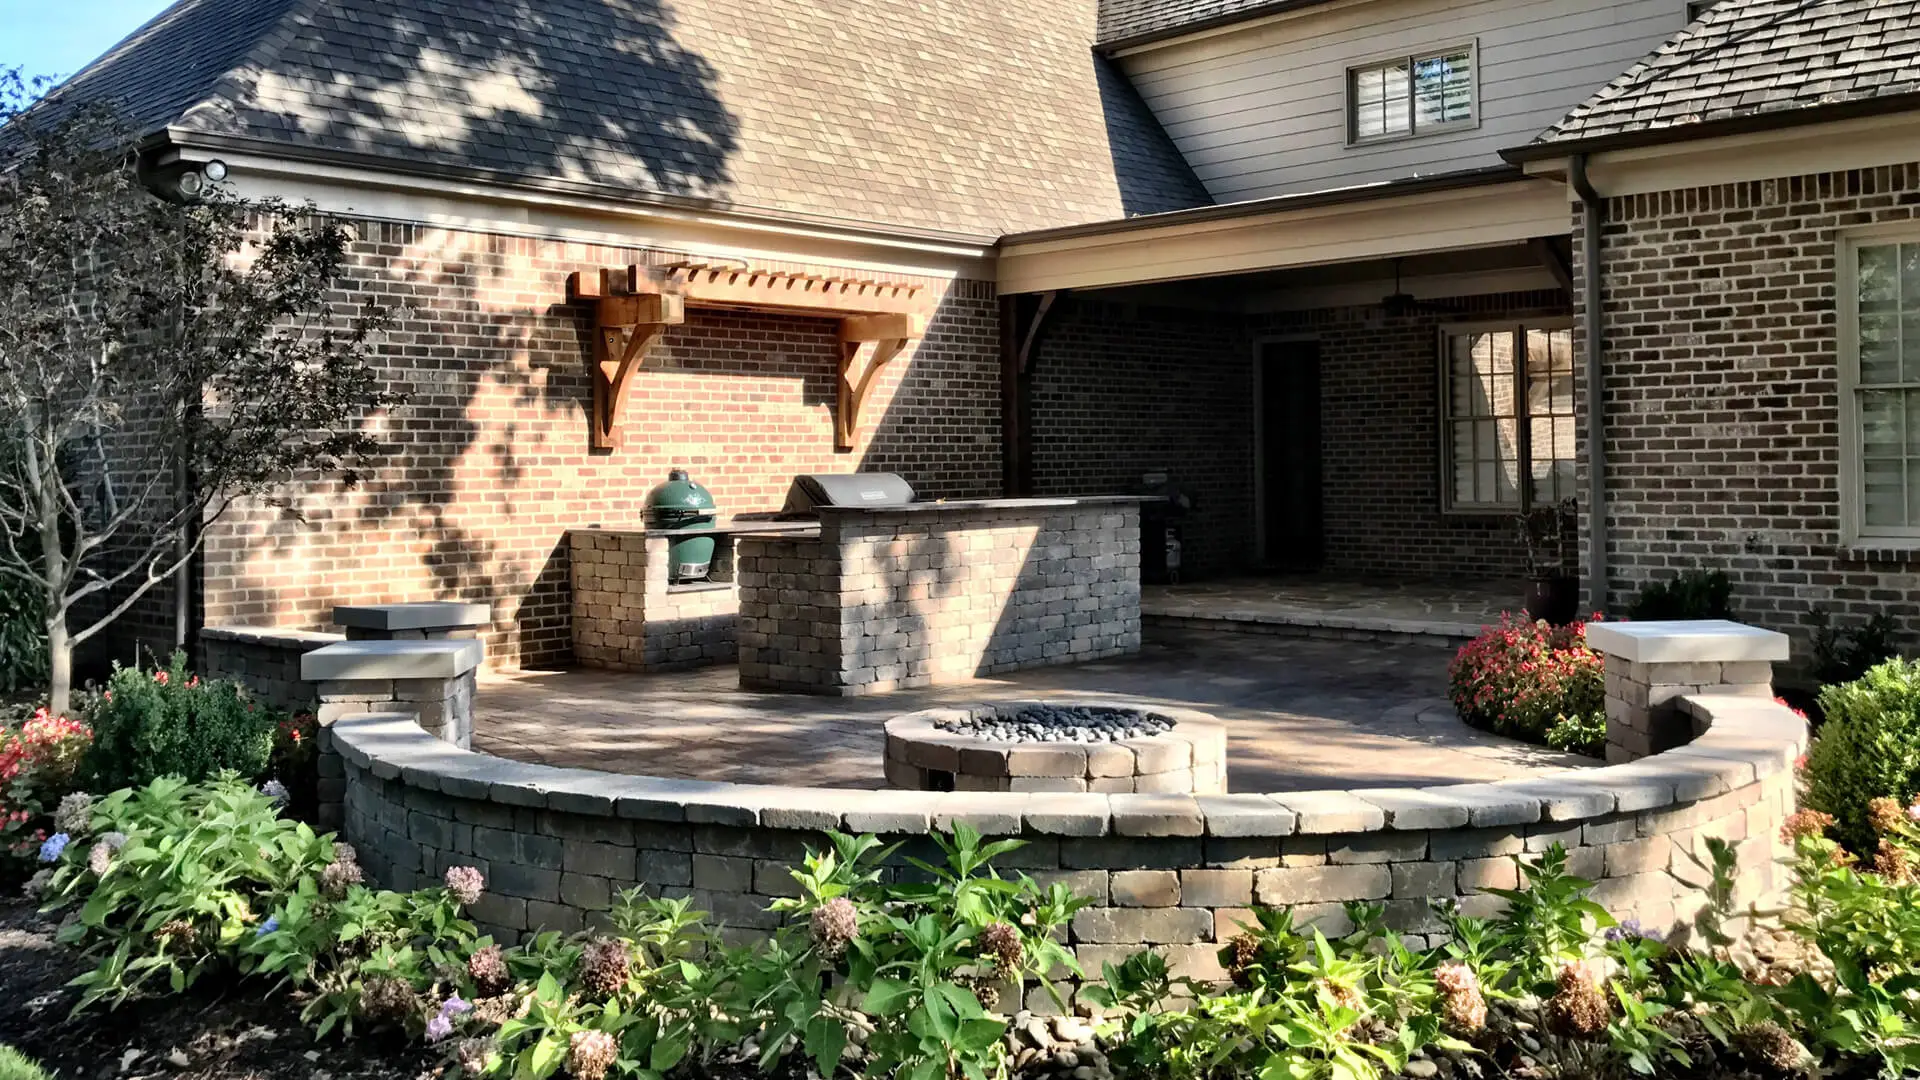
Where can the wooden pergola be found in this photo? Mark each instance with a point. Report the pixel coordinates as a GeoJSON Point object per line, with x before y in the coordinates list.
{"type": "Point", "coordinates": [635, 304]}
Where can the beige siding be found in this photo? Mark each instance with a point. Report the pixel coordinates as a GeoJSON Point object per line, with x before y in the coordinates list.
{"type": "Point", "coordinates": [1262, 111]}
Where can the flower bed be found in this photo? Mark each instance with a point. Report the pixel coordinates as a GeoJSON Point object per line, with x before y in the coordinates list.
{"type": "Point", "coordinates": [1533, 681]}
{"type": "Point", "coordinates": [874, 968]}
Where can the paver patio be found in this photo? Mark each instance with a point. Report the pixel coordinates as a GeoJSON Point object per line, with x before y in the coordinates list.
{"type": "Point", "coordinates": [1301, 714]}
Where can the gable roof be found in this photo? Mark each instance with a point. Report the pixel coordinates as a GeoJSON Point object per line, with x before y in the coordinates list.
{"type": "Point", "coordinates": [1754, 60]}
{"type": "Point", "coordinates": [966, 116]}
{"type": "Point", "coordinates": [1136, 22]}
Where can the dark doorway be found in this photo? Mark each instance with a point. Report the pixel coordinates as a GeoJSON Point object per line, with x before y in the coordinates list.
{"type": "Point", "coordinates": [1290, 453]}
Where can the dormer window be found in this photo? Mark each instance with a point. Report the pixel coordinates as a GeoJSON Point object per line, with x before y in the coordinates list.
{"type": "Point", "coordinates": [1417, 94]}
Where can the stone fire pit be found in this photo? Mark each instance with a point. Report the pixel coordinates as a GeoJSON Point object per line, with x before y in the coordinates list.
{"type": "Point", "coordinates": [1057, 746]}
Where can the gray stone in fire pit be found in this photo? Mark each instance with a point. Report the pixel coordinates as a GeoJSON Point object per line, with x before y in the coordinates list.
{"type": "Point", "coordinates": [1044, 722]}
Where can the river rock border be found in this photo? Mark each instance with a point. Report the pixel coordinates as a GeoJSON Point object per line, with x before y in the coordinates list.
{"type": "Point", "coordinates": [1173, 872]}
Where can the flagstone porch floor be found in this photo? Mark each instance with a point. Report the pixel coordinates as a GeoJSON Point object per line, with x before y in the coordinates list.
{"type": "Point", "coordinates": [1301, 714]}
{"type": "Point", "coordinates": [1446, 613]}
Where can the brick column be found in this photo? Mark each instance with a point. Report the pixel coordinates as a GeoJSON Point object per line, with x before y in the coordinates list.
{"type": "Point", "coordinates": [1652, 664]}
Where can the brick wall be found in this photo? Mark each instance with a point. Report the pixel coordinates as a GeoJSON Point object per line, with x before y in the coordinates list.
{"type": "Point", "coordinates": [1120, 390]}
{"type": "Point", "coordinates": [492, 466]}
{"type": "Point", "coordinates": [1723, 438]}
{"type": "Point", "coordinates": [1380, 431]}
{"type": "Point", "coordinates": [881, 601]}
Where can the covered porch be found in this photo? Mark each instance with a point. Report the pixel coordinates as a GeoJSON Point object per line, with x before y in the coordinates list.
{"type": "Point", "coordinates": [1368, 388]}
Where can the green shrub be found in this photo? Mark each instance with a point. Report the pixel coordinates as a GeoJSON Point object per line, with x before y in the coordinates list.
{"type": "Point", "coordinates": [15, 1065]}
{"type": "Point", "coordinates": [1521, 678]}
{"type": "Point", "coordinates": [23, 637]}
{"type": "Point", "coordinates": [1869, 748]}
{"type": "Point", "coordinates": [169, 722]}
{"type": "Point", "coordinates": [1695, 594]}
{"type": "Point", "coordinates": [1583, 733]}
{"type": "Point", "coordinates": [1845, 653]}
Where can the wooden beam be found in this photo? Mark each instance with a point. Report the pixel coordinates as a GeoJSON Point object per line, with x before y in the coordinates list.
{"type": "Point", "coordinates": [803, 294]}
{"type": "Point", "coordinates": [1548, 254]}
{"type": "Point", "coordinates": [627, 328]}
{"type": "Point", "coordinates": [1031, 340]}
{"type": "Point", "coordinates": [889, 335]}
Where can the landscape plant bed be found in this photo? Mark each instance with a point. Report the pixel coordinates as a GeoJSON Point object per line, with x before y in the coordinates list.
{"type": "Point", "coordinates": [190, 900]}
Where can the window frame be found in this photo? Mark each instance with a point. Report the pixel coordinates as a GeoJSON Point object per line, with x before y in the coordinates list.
{"type": "Point", "coordinates": [1471, 46]}
{"type": "Point", "coordinates": [1853, 495]}
{"type": "Point", "coordinates": [1523, 416]}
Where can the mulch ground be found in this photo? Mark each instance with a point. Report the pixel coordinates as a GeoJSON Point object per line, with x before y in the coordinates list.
{"type": "Point", "coordinates": [230, 1032]}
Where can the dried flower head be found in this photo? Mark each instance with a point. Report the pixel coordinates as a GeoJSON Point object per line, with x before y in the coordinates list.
{"type": "Point", "coordinates": [1893, 863]}
{"type": "Point", "coordinates": [604, 966]}
{"type": "Point", "coordinates": [473, 1056]}
{"type": "Point", "coordinates": [465, 884]}
{"type": "Point", "coordinates": [339, 876]}
{"type": "Point", "coordinates": [590, 1054]}
{"type": "Point", "coordinates": [276, 791]}
{"type": "Point", "coordinates": [100, 858]}
{"type": "Point", "coordinates": [115, 839]}
{"type": "Point", "coordinates": [1463, 1008]}
{"type": "Point", "coordinates": [1769, 1044]}
{"type": "Point", "coordinates": [834, 925]}
{"type": "Point", "coordinates": [38, 884]}
{"type": "Point", "coordinates": [384, 998]}
{"type": "Point", "coordinates": [494, 1011]}
{"type": "Point", "coordinates": [1580, 1007]}
{"type": "Point", "coordinates": [75, 814]}
{"type": "Point", "coordinates": [488, 969]}
{"type": "Point", "coordinates": [1803, 823]}
{"type": "Point", "coordinates": [1341, 994]}
{"type": "Point", "coordinates": [177, 931]}
{"type": "Point", "coordinates": [1884, 815]}
{"type": "Point", "coordinates": [1001, 941]}
{"type": "Point", "coordinates": [343, 852]}
{"type": "Point", "coordinates": [1245, 952]}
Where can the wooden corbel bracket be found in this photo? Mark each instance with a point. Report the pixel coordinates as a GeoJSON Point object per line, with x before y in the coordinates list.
{"type": "Point", "coordinates": [626, 328]}
{"type": "Point", "coordinates": [889, 335]}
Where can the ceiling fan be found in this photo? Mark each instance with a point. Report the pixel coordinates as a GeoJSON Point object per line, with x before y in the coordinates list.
{"type": "Point", "coordinates": [1397, 303]}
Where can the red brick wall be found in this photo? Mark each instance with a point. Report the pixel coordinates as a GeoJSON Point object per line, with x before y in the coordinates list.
{"type": "Point", "coordinates": [493, 467]}
{"type": "Point", "coordinates": [1723, 440]}
{"type": "Point", "coordinates": [1380, 431]}
{"type": "Point", "coordinates": [1120, 390]}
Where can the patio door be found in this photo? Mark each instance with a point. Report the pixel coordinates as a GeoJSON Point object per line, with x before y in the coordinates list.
{"type": "Point", "coordinates": [1290, 454]}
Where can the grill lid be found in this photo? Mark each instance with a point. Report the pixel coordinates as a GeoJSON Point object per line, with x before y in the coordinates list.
{"type": "Point", "coordinates": [810, 492]}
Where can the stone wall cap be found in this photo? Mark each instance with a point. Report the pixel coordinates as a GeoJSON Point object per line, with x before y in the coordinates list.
{"type": "Point", "coordinates": [440, 658]}
{"type": "Point", "coordinates": [271, 635]}
{"type": "Point", "coordinates": [421, 615]}
{"type": "Point", "coordinates": [1686, 641]}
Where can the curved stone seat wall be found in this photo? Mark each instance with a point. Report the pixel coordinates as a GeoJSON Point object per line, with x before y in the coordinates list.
{"type": "Point", "coordinates": [1171, 871]}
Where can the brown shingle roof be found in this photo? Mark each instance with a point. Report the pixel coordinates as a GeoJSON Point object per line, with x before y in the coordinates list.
{"type": "Point", "coordinates": [1751, 57]}
{"type": "Point", "coordinates": [969, 116]}
{"type": "Point", "coordinates": [1125, 22]}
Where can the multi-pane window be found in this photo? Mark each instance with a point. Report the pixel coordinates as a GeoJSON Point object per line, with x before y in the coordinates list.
{"type": "Point", "coordinates": [1883, 379]}
{"type": "Point", "coordinates": [1411, 95]}
{"type": "Point", "coordinates": [1508, 416]}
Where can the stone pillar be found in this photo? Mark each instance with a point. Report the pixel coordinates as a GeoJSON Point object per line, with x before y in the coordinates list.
{"type": "Point", "coordinates": [431, 679]}
{"type": "Point", "coordinates": [427, 621]}
{"type": "Point", "coordinates": [1652, 664]}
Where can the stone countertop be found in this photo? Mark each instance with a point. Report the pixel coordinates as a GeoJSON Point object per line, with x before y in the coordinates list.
{"type": "Point", "coordinates": [963, 505]}
{"type": "Point", "coordinates": [731, 528]}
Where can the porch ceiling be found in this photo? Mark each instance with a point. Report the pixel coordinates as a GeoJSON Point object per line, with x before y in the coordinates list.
{"type": "Point", "coordinates": [1278, 234]}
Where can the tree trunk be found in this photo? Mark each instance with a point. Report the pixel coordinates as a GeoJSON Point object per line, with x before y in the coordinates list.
{"type": "Point", "coordinates": [60, 665]}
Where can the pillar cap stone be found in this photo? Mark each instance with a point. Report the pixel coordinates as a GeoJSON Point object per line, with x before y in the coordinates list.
{"type": "Point", "coordinates": [1686, 641]}
{"type": "Point", "coordinates": [424, 615]}
{"type": "Point", "coordinates": [348, 661]}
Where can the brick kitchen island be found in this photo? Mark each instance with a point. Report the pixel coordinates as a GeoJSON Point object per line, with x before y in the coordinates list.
{"type": "Point", "coordinates": [903, 596]}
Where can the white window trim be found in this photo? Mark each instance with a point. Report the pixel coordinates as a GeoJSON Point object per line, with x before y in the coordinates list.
{"type": "Point", "coordinates": [1853, 528]}
{"type": "Point", "coordinates": [1414, 131]}
{"type": "Point", "coordinates": [1522, 418]}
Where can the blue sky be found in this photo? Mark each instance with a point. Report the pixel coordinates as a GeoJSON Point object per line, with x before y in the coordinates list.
{"type": "Point", "coordinates": [58, 37]}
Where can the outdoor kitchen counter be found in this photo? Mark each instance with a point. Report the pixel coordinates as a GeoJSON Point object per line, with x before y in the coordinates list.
{"type": "Point", "coordinates": [886, 598]}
